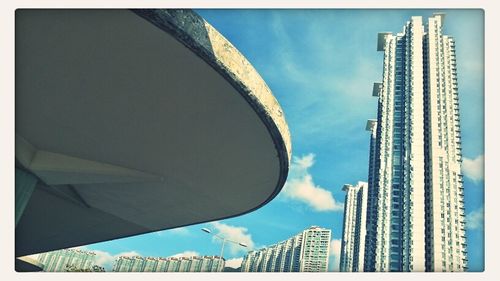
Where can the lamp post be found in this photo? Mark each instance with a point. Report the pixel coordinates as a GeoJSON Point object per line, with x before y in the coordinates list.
{"type": "Point", "coordinates": [223, 240]}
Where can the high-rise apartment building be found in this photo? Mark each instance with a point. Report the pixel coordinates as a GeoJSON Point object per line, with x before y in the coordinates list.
{"type": "Point", "coordinates": [307, 251]}
{"type": "Point", "coordinates": [415, 218]}
{"type": "Point", "coordinates": [171, 264]}
{"type": "Point", "coordinates": [127, 264]}
{"type": "Point", "coordinates": [66, 259]}
{"type": "Point", "coordinates": [354, 230]}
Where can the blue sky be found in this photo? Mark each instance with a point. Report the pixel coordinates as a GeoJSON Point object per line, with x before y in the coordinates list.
{"type": "Point", "coordinates": [321, 65]}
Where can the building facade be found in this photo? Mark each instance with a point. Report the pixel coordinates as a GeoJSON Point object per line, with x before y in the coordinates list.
{"type": "Point", "coordinates": [170, 264]}
{"type": "Point", "coordinates": [415, 216]}
{"type": "Point", "coordinates": [372, 199]}
{"type": "Point", "coordinates": [354, 229]}
{"type": "Point", "coordinates": [307, 251]}
{"type": "Point", "coordinates": [67, 259]}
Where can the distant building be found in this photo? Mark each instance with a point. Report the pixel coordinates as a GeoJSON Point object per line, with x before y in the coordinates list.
{"type": "Point", "coordinates": [129, 264]}
{"type": "Point", "coordinates": [354, 230]}
{"type": "Point", "coordinates": [171, 264]}
{"type": "Point", "coordinates": [67, 259]}
{"type": "Point", "coordinates": [305, 252]}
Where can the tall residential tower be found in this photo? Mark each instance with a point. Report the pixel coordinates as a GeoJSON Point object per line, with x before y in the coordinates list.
{"type": "Point", "coordinates": [353, 242]}
{"type": "Point", "coordinates": [307, 251]}
{"type": "Point", "coordinates": [415, 218]}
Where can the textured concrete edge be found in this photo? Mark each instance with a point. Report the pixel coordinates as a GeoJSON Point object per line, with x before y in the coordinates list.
{"type": "Point", "coordinates": [206, 42]}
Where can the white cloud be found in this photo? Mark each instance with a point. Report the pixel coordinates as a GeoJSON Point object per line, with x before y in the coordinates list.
{"type": "Point", "coordinates": [475, 219]}
{"type": "Point", "coordinates": [186, 254]}
{"type": "Point", "coordinates": [235, 233]}
{"type": "Point", "coordinates": [234, 263]}
{"type": "Point", "coordinates": [474, 168]}
{"type": "Point", "coordinates": [179, 231]}
{"type": "Point", "coordinates": [182, 231]}
{"type": "Point", "coordinates": [305, 162]}
{"type": "Point", "coordinates": [334, 262]}
{"type": "Point", "coordinates": [301, 187]}
{"type": "Point", "coordinates": [105, 259]}
{"type": "Point", "coordinates": [128, 254]}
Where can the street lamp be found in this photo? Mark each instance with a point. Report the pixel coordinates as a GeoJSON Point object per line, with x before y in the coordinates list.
{"type": "Point", "coordinates": [223, 240]}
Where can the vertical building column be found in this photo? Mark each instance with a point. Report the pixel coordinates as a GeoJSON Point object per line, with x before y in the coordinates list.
{"type": "Point", "coordinates": [347, 246]}
{"type": "Point", "coordinates": [415, 189]}
{"type": "Point", "coordinates": [385, 124]}
{"type": "Point", "coordinates": [362, 203]}
{"type": "Point", "coordinates": [371, 212]}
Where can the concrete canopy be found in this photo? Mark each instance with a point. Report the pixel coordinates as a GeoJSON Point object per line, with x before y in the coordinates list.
{"type": "Point", "coordinates": [138, 121]}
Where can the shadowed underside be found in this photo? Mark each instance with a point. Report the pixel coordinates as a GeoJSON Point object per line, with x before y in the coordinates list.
{"type": "Point", "coordinates": [138, 121]}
